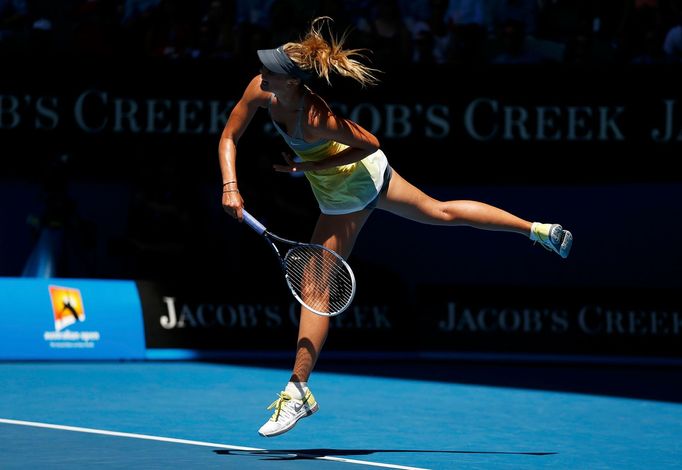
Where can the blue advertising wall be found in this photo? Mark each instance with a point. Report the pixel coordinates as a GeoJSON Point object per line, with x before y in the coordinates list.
{"type": "Point", "coordinates": [70, 319]}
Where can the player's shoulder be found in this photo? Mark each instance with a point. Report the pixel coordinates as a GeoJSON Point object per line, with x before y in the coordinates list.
{"type": "Point", "coordinates": [317, 102]}
{"type": "Point", "coordinates": [255, 94]}
{"type": "Point", "coordinates": [318, 109]}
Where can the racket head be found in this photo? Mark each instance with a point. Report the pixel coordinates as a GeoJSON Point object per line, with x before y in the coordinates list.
{"type": "Point", "coordinates": [319, 278]}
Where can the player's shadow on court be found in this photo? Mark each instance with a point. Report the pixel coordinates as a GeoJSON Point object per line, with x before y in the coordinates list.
{"type": "Point", "coordinates": [305, 454]}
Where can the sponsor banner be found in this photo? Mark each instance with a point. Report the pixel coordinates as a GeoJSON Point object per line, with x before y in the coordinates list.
{"type": "Point", "coordinates": [70, 319]}
{"type": "Point", "coordinates": [498, 122]}
{"type": "Point", "coordinates": [217, 317]}
{"type": "Point", "coordinates": [552, 321]}
{"type": "Point", "coordinates": [541, 324]}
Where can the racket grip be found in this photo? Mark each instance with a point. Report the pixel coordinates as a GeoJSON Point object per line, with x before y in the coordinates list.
{"type": "Point", "coordinates": [253, 223]}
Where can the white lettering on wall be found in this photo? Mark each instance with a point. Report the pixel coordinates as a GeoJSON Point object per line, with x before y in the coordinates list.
{"type": "Point", "coordinates": [487, 119]}
{"type": "Point", "coordinates": [669, 132]}
{"type": "Point", "coordinates": [591, 320]}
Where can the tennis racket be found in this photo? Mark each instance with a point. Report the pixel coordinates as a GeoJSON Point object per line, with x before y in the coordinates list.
{"type": "Point", "coordinates": [319, 278]}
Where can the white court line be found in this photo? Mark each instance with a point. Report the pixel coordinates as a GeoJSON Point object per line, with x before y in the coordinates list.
{"type": "Point", "coordinates": [195, 443]}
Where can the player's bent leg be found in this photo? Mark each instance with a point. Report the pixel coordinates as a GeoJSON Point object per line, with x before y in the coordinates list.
{"type": "Point", "coordinates": [406, 200]}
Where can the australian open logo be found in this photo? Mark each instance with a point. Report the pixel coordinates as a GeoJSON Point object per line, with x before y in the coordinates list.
{"type": "Point", "coordinates": [68, 309]}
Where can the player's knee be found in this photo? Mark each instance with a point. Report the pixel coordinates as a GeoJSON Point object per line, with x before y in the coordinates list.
{"type": "Point", "coordinates": [446, 213]}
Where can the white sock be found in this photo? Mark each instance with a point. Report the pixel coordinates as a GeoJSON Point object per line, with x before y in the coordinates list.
{"type": "Point", "coordinates": [297, 390]}
{"type": "Point", "coordinates": [533, 237]}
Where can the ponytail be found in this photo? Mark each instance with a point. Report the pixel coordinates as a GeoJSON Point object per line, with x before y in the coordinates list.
{"type": "Point", "coordinates": [315, 54]}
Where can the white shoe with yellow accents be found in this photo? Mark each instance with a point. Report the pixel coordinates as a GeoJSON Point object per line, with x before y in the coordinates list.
{"type": "Point", "coordinates": [552, 237]}
{"type": "Point", "coordinates": [287, 412]}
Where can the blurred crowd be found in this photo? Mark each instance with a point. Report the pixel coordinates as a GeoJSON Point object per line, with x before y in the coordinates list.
{"type": "Point", "coordinates": [397, 31]}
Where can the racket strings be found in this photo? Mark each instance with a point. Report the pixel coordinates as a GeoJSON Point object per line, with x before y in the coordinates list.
{"type": "Point", "coordinates": [320, 279]}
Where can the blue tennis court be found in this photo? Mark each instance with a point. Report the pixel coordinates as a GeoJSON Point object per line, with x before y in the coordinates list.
{"type": "Point", "coordinates": [205, 415]}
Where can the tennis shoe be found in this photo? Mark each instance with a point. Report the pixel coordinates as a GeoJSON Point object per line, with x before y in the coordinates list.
{"type": "Point", "coordinates": [553, 237]}
{"type": "Point", "coordinates": [287, 412]}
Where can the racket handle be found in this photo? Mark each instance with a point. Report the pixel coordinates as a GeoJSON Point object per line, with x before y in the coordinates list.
{"type": "Point", "coordinates": [253, 223]}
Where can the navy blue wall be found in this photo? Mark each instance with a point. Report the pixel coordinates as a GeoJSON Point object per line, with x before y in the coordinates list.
{"type": "Point", "coordinates": [144, 203]}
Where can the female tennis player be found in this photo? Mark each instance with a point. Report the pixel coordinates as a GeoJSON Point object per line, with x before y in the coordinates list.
{"type": "Point", "coordinates": [349, 175]}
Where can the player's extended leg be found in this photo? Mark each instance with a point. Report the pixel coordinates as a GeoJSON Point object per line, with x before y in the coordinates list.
{"type": "Point", "coordinates": [337, 232]}
{"type": "Point", "coordinates": [406, 200]}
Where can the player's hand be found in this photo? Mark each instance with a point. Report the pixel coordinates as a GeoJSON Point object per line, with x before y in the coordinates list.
{"type": "Point", "coordinates": [292, 166]}
{"type": "Point", "coordinates": [233, 202]}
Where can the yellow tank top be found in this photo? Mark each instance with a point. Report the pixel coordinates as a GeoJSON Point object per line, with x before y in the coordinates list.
{"type": "Point", "coordinates": [341, 189]}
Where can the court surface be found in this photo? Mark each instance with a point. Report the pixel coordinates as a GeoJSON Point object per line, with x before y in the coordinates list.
{"type": "Point", "coordinates": [372, 415]}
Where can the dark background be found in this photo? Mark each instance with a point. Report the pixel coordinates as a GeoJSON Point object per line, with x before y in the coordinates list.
{"type": "Point", "coordinates": [140, 199]}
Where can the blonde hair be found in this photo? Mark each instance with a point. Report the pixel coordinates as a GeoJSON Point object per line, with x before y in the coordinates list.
{"type": "Point", "coordinates": [316, 54]}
